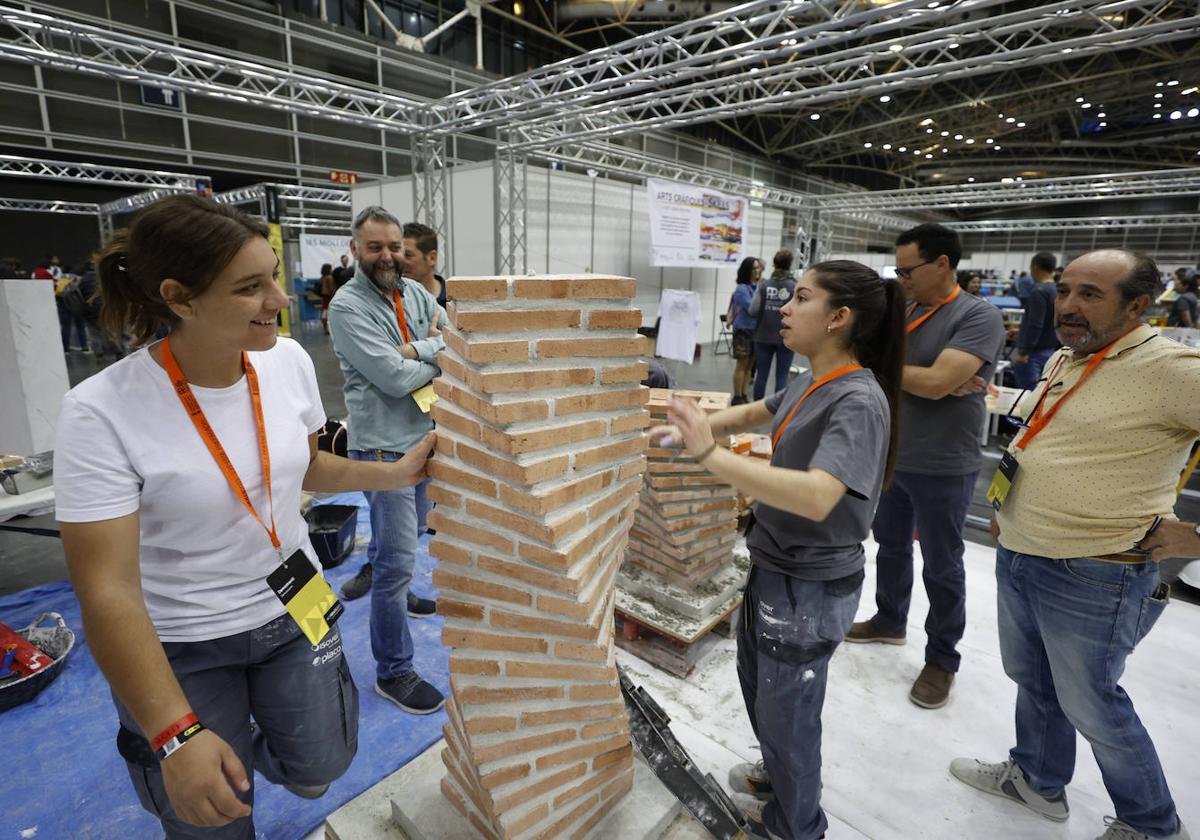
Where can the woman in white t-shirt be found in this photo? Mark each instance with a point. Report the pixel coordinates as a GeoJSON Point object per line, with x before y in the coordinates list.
{"type": "Point", "coordinates": [178, 474]}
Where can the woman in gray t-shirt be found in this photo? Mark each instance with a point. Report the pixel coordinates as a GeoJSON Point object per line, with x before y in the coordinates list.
{"type": "Point", "coordinates": [834, 434]}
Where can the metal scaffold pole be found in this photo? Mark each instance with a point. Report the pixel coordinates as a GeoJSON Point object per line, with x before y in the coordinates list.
{"type": "Point", "coordinates": [431, 194]}
{"type": "Point", "coordinates": [511, 193]}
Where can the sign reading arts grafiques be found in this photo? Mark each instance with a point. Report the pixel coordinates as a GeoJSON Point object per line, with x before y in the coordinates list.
{"type": "Point", "coordinates": [696, 227]}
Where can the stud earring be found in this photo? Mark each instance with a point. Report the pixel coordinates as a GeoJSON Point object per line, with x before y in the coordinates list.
{"type": "Point", "coordinates": [829, 328]}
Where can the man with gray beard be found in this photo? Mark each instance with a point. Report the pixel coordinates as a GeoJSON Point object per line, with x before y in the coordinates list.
{"type": "Point", "coordinates": [386, 337]}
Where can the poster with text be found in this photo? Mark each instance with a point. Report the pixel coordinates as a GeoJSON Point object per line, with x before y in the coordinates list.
{"type": "Point", "coordinates": [696, 227]}
{"type": "Point", "coordinates": [316, 250]}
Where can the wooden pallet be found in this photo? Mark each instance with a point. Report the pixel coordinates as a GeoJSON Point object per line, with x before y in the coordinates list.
{"type": "Point", "coordinates": [673, 653]}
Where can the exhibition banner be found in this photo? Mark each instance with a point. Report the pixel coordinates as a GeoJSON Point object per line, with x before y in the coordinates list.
{"type": "Point", "coordinates": [316, 250]}
{"type": "Point", "coordinates": [696, 227]}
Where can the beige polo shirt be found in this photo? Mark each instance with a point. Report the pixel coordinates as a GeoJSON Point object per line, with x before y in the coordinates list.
{"type": "Point", "coordinates": [1093, 480]}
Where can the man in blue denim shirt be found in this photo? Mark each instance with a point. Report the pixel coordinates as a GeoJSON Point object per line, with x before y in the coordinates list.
{"type": "Point", "coordinates": [387, 353]}
{"type": "Point", "coordinates": [1081, 529]}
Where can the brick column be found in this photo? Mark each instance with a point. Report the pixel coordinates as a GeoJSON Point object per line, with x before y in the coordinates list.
{"type": "Point", "coordinates": [537, 473]}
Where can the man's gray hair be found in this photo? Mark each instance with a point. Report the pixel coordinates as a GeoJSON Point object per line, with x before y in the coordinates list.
{"type": "Point", "coordinates": [374, 213]}
{"type": "Point", "coordinates": [1143, 277]}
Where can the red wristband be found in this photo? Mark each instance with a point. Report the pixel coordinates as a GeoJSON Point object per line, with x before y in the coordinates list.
{"type": "Point", "coordinates": [174, 729]}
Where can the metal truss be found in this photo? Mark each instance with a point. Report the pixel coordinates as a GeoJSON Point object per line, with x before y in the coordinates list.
{"type": "Point", "coordinates": [33, 205]}
{"type": "Point", "coordinates": [823, 244]}
{"type": "Point", "coordinates": [511, 193]}
{"type": "Point", "coordinates": [92, 173]}
{"type": "Point", "coordinates": [130, 203]}
{"type": "Point", "coordinates": [53, 41]}
{"type": "Point", "coordinates": [764, 56]}
{"type": "Point", "coordinates": [802, 222]}
{"type": "Point", "coordinates": [1079, 223]}
{"type": "Point", "coordinates": [1034, 191]}
{"type": "Point", "coordinates": [431, 190]}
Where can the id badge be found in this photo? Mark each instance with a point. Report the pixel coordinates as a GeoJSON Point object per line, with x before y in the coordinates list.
{"type": "Point", "coordinates": [1002, 480]}
{"type": "Point", "coordinates": [425, 398]}
{"type": "Point", "coordinates": [308, 599]}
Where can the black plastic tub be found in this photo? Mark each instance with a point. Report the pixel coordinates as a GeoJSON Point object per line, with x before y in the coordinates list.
{"type": "Point", "coordinates": [331, 529]}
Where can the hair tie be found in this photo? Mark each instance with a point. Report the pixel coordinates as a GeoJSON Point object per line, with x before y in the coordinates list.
{"type": "Point", "coordinates": [121, 266]}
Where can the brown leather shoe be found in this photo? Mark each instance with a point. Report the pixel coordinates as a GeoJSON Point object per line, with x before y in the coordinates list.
{"type": "Point", "coordinates": [932, 688]}
{"type": "Point", "coordinates": [863, 632]}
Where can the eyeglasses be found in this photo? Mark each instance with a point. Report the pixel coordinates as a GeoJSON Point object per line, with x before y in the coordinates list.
{"type": "Point", "coordinates": [906, 273]}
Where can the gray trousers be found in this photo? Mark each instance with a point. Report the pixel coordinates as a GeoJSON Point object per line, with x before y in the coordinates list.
{"type": "Point", "coordinates": [302, 700]}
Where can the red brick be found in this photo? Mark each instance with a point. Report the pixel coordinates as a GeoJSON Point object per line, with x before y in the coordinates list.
{"type": "Point", "coordinates": [591, 653]}
{"type": "Point", "coordinates": [631, 469]}
{"type": "Point", "coordinates": [481, 695]}
{"type": "Point", "coordinates": [521, 443]}
{"type": "Point", "coordinates": [570, 348]}
{"type": "Point", "coordinates": [609, 452]}
{"type": "Point", "coordinates": [541, 625]}
{"type": "Point", "coordinates": [621, 755]}
{"type": "Point", "coordinates": [549, 783]}
{"type": "Point", "coordinates": [452, 637]}
{"type": "Point", "coordinates": [444, 497]}
{"type": "Point", "coordinates": [473, 667]}
{"type": "Point", "coordinates": [447, 553]}
{"type": "Point", "coordinates": [598, 286]}
{"type": "Point", "coordinates": [496, 413]}
{"type": "Point", "coordinates": [481, 588]}
{"type": "Point", "coordinates": [614, 319]}
{"type": "Point", "coordinates": [504, 776]}
{"type": "Point", "coordinates": [488, 725]}
{"type": "Point", "coordinates": [442, 523]}
{"type": "Point", "coordinates": [555, 830]}
{"type": "Point", "coordinates": [547, 502]}
{"type": "Point", "coordinates": [547, 532]}
{"type": "Point", "coordinates": [618, 787]}
{"type": "Point", "coordinates": [527, 574]}
{"type": "Point", "coordinates": [559, 671]}
{"type": "Point", "coordinates": [635, 422]}
{"type": "Point", "coordinates": [525, 381]}
{"type": "Point", "coordinates": [443, 472]}
{"type": "Point", "coordinates": [444, 415]}
{"type": "Point", "coordinates": [573, 714]}
{"type": "Point", "coordinates": [581, 831]}
{"type": "Point", "coordinates": [582, 751]}
{"type": "Point", "coordinates": [580, 611]}
{"type": "Point", "coordinates": [514, 826]}
{"type": "Point", "coordinates": [604, 727]}
{"type": "Point", "coordinates": [623, 373]}
{"type": "Point", "coordinates": [511, 320]}
{"type": "Point", "coordinates": [530, 473]}
{"type": "Point", "coordinates": [586, 786]}
{"type": "Point", "coordinates": [459, 609]}
{"type": "Point", "coordinates": [490, 288]}
{"type": "Point", "coordinates": [487, 352]}
{"type": "Point", "coordinates": [518, 746]}
{"type": "Point", "coordinates": [601, 401]}
{"type": "Point", "coordinates": [595, 692]}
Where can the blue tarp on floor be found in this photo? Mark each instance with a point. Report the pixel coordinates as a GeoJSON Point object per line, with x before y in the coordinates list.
{"type": "Point", "coordinates": [63, 777]}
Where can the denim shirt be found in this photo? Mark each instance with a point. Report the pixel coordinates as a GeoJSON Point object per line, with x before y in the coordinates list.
{"type": "Point", "coordinates": [379, 380]}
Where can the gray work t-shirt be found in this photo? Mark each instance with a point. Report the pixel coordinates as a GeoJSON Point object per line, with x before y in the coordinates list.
{"type": "Point", "coordinates": [941, 437]}
{"type": "Point", "coordinates": [843, 429]}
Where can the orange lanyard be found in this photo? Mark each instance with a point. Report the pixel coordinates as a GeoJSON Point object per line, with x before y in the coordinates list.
{"type": "Point", "coordinates": [824, 380]}
{"type": "Point", "coordinates": [196, 414]}
{"type": "Point", "coordinates": [1041, 418]}
{"type": "Point", "coordinates": [396, 299]}
{"type": "Point", "coordinates": [912, 308]}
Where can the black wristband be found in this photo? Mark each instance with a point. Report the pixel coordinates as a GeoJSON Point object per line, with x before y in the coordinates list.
{"type": "Point", "coordinates": [700, 458]}
{"type": "Point", "coordinates": [179, 740]}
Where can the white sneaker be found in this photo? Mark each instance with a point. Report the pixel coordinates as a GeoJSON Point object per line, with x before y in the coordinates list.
{"type": "Point", "coordinates": [1118, 830]}
{"type": "Point", "coordinates": [751, 779]}
{"type": "Point", "coordinates": [1007, 780]}
{"type": "Point", "coordinates": [752, 810]}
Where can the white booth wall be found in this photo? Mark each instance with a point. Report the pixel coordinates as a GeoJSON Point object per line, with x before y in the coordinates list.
{"type": "Point", "coordinates": [576, 224]}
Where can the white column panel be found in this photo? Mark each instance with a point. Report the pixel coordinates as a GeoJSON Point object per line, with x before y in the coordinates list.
{"type": "Point", "coordinates": [33, 370]}
{"type": "Point", "coordinates": [473, 207]}
{"type": "Point", "coordinates": [570, 228]}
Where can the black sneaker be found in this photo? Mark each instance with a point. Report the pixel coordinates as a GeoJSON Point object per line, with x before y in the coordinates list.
{"type": "Point", "coordinates": [421, 607]}
{"type": "Point", "coordinates": [411, 693]}
{"type": "Point", "coordinates": [307, 791]}
{"type": "Point", "coordinates": [359, 585]}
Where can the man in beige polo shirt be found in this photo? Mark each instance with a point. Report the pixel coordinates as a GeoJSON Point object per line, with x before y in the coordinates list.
{"type": "Point", "coordinates": [1084, 503]}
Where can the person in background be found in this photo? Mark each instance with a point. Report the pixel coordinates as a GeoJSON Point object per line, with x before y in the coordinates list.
{"type": "Point", "coordinates": [326, 286]}
{"type": "Point", "coordinates": [343, 273]}
{"type": "Point", "coordinates": [1081, 529]}
{"type": "Point", "coordinates": [972, 284]}
{"type": "Point", "coordinates": [769, 298]}
{"type": "Point", "coordinates": [1036, 340]}
{"type": "Point", "coordinates": [1185, 309]}
{"type": "Point", "coordinates": [739, 321]}
{"type": "Point", "coordinates": [835, 435]}
{"type": "Point", "coordinates": [386, 336]}
{"type": "Point", "coordinates": [166, 502]}
{"type": "Point", "coordinates": [93, 303]}
{"type": "Point", "coordinates": [420, 259]}
{"type": "Point", "coordinates": [1025, 284]}
{"type": "Point", "coordinates": [54, 266]}
{"type": "Point", "coordinates": [952, 337]}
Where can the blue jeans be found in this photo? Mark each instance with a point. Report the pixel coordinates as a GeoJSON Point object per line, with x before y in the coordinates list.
{"type": "Point", "coordinates": [1028, 373]}
{"type": "Point", "coordinates": [764, 353]}
{"type": "Point", "coordinates": [788, 633]}
{"type": "Point", "coordinates": [1066, 628]}
{"type": "Point", "coordinates": [936, 507]}
{"type": "Point", "coordinates": [392, 554]}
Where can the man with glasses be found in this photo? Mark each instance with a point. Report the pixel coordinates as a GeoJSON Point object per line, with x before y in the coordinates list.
{"type": "Point", "coordinates": [952, 337]}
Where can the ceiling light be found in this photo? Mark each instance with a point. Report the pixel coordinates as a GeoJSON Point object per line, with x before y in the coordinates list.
{"type": "Point", "coordinates": [958, 137]}
{"type": "Point", "coordinates": [1176, 114]}
{"type": "Point", "coordinates": [929, 131]}
{"type": "Point", "coordinates": [1080, 99]}
{"type": "Point", "coordinates": [953, 45]}
{"type": "Point", "coordinates": [1158, 116]}
{"type": "Point", "coordinates": [917, 152]}
{"type": "Point", "coordinates": [1019, 178]}
{"type": "Point", "coordinates": [1022, 125]}
{"type": "Point", "coordinates": [1102, 115]}
{"type": "Point", "coordinates": [1103, 124]}
{"type": "Point", "coordinates": [814, 116]}
{"type": "Point", "coordinates": [928, 157]}
{"type": "Point", "coordinates": [887, 146]}
{"type": "Point", "coordinates": [1158, 96]}
{"type": "Point", "coordinates": [989, 141]}
{"type": "Point", "coordinates": [997, 148]}
{"type": "Point", "coordinates": [866, 145]}
{"type": "Point", "coordinates": [1188, 91]}
{"type": "Point", "coordinates": [1158, 84]}
{"type": "Point", "coordinates": [902, 149]}
{"type": "Point", "coordinates": [896, 47]}
{"type": "Point", "coordinates": [1157, 104]}
{"type": "Point", "coordinates": [1194, 112]}
{"type": "Point", "coordinates": [970, 140]}
{"type": "Point", "coordinates": [1006, 180]}
{"type": "Point", "coordinates": [1010, 120]}
{"type": "Point", "coordinates": [926, 121]}
{"type": "Point", "coordinates": [970, 180]}
{"type": "Point", "coordinates": [945, 133]}
{"type": "Point", "coordinates": [1172, 83]}
{"type": "Point", "coordinates": [885, 98]}
{"type": "Point", "coordinates": [1086, 105]}
{"type": "Point", "coordinates": [944, 150]}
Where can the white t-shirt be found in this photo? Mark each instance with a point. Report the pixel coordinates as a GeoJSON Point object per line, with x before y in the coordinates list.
{"type": "Point", "coordinates": [125, 444]}
{"type": "Point", "coordinates": [679, 314]}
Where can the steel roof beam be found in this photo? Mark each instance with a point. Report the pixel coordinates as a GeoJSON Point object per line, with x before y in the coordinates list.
{"type": "Point", "coordinates": [33, 205]}
{"type": "Point", "coordinates": [1078, 223]}
{"type": "Point", "coordinates": [93, 173]}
